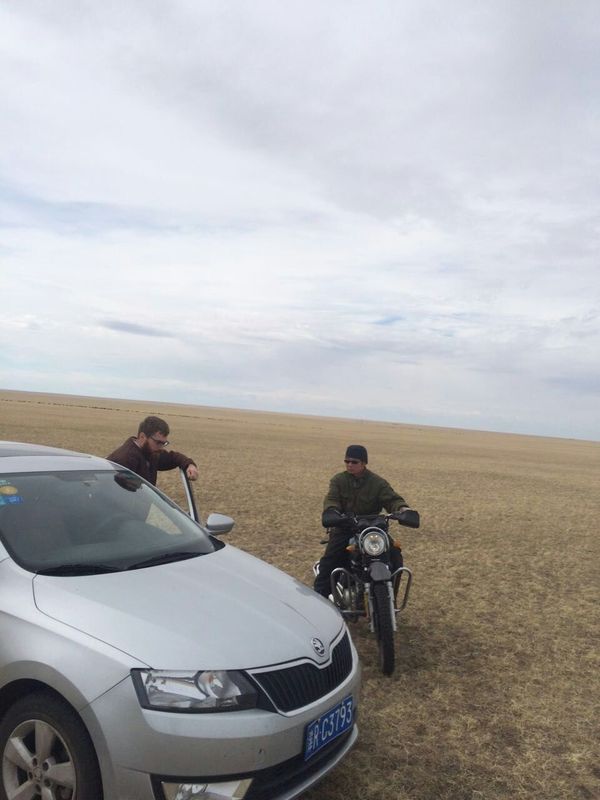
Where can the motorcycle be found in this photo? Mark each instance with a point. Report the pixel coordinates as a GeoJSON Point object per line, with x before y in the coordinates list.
{"type": "Point", "coordinates": [370, 585]}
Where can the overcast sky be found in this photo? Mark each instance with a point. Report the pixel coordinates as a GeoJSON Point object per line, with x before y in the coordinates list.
{"type": "Point", "coordinates": [384, 210]}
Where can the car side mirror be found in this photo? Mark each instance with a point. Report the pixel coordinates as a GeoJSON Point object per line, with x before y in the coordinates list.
{"type": "Point", "coordinates": [219, 524]}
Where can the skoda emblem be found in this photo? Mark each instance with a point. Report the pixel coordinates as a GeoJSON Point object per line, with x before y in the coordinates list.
{"type": "Point", "coordinates": [318, 646]}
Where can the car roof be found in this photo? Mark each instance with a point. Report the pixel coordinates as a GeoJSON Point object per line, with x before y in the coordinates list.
{"type": "Point", "coordinates": [26, 457]}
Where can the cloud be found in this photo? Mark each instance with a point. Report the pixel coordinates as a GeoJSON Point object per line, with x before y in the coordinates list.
{"type": "Point", "coordinates": [383, 210]}
{"type": "Point", "coordinates": [581, 384]}
{"type": "Point", "coordinates": [391, 320]}
{"type": "Point", "coordinates": [132, 327]}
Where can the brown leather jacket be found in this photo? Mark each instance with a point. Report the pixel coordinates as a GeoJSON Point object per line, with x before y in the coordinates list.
{"type": "Point", "coordinates": [131, 456]}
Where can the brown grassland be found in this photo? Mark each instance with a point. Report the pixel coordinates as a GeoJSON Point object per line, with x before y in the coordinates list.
{"type": "Point", "coordinates": [496, 688]}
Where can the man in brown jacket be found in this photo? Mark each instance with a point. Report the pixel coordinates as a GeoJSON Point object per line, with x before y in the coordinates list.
{"type": "Point", "coordinates": [145, 453]}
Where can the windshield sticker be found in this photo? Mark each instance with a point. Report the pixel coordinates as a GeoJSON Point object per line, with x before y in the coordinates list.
{"type": "Point", "coordinates": [10, 500]}
{"type": "Point", "coordinates": [7, 489]}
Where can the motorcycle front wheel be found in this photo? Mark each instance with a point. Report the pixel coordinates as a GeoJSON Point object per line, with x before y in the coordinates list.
{"type": "Point", "coordinates": [384, 627]}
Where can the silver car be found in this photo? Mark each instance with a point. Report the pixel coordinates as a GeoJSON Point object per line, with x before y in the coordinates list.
{"type": "Point", "coordinates": [141, 658]}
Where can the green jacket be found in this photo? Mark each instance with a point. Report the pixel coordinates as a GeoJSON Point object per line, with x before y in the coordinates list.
{"type": "Point", "coordinates": [365, 495]}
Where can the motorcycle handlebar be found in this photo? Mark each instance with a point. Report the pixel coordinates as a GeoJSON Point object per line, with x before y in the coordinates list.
{"type": "Point", "coordinates": [333, 518]}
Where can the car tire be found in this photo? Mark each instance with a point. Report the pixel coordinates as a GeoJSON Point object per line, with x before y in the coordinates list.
{"type": "Point", "coordinates": [45, 744]}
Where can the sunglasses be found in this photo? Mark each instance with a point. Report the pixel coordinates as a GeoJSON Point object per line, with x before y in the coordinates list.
{"type": "Point", "coordinates": [159, 442]}
{"type": "Point", "coordinates": [351, 461]}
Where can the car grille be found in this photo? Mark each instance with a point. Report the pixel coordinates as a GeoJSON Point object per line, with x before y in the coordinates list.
{"type": "Point", "coordinates": [293, 687]}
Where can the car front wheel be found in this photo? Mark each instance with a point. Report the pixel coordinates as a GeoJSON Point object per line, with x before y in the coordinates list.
{"type": "Point", "coordinates": [46, 752]}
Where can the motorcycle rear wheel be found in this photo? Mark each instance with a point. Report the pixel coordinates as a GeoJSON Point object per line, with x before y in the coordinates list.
{"type": "Point", "coordinates": [384, 627]}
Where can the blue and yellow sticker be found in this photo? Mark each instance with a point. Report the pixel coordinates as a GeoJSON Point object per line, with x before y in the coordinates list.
{"type": "Point", "coordinates": [9, 494]}
{"type": "Point", "coordinates": [13, 500]}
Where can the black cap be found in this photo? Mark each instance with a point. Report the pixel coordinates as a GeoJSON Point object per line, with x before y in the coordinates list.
{"type": "Point", "coordinates": [357, 451]}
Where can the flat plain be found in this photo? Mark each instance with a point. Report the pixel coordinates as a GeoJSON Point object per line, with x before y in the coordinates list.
{"type": "Point", "coordinates": [496, 689]}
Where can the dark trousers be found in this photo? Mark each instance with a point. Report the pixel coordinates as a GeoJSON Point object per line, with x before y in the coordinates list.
{"type": "Point", "coordinates": [336, 555]}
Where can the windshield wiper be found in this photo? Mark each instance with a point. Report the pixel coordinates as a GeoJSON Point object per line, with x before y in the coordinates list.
{"type": "Point", "coordinates": [165, 558]}
{"type": "Point", "coordinates": [78, 569]}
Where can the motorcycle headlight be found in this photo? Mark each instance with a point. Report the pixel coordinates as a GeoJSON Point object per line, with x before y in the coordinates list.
{"type": "Point", "coordinates": [374, 543]}
{"type": "Point", "coordinates": [193, 692]}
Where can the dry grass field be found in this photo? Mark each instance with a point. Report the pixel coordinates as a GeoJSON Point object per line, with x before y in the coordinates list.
{"type": "Point", "coordinates": [497, 688]}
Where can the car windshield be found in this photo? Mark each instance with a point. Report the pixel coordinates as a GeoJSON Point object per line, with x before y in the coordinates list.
{"type": "Point", "coordinates": [73, 523]}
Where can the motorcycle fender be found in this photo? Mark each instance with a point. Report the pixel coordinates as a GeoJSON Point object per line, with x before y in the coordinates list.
{"type": "Point", "coordinates": [379, 571]}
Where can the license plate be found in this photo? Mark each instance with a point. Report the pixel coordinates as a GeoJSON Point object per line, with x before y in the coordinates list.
{"type": "Point", "coordinates": [327, 727]}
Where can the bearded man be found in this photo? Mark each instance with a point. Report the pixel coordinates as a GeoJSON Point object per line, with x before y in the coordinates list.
{"type": "Point", "coordinates": [145, 453]}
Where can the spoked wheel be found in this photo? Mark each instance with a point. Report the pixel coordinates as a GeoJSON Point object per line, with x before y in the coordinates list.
{"type": "Point", "coordinates": [384, 627]}
{"type": "Point", "coordinates": [46, 753]}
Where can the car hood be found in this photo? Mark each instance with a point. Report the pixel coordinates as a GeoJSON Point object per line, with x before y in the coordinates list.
{"type": "Point", "coordinates": [224, 610]}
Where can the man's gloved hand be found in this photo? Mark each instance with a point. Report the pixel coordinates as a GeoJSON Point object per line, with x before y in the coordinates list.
{"type": "Point", "coordinates": [332, 517]}
{"type": "Point", "coordinates": [408, 516]}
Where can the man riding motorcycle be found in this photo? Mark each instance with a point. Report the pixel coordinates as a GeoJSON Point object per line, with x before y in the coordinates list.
{"type": "Point", "coordinates": [359, 491]}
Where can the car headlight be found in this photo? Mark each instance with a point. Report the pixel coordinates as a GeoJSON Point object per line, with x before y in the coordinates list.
{"type": "Point", "coordinates": [193, 692]}
{"type": "Point", "coordinates": [374, 543]}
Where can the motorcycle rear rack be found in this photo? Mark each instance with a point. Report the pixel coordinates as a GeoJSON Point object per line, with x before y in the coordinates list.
{"type": "Point", "coordinates": [361, 587]}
